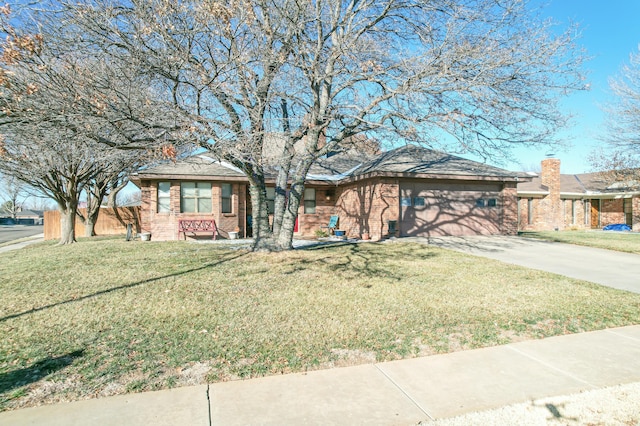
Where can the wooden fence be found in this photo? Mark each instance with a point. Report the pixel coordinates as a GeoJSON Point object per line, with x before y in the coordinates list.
{"type": "Point", "coordinates": [110, 222]}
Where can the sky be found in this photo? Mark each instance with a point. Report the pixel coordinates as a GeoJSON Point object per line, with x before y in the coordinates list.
{"type": "Point", "coordinates": [610, 32]}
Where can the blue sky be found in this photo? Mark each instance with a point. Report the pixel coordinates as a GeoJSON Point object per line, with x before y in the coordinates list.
{"type": "Point", "coordinates": [610, 33]}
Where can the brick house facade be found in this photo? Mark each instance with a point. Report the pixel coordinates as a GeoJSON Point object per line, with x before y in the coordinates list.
{"type": "Point", "coordinates": [407, 191]}
{"type": "Point", "coordinates": [555, 201]}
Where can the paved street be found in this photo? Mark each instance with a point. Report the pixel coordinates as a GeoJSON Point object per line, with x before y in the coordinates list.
{"type": "Point", "coordinates": [15, 232]}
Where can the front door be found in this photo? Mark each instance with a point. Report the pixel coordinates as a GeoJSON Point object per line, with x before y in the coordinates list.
{"type": "Point", "coordinates": [595, 214]}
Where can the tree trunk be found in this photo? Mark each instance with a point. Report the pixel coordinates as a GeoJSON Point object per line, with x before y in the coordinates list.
{"type": "Point", "coordinates": [262, 235]}
{"type": "Point", "coordinates": [91, 217]}
{"type": "Point", "coordinates": [284, 239]}
{"type": "Point", "coordinates": [90, 225]}
{"type": "Point", "coordinates": [67, 223]}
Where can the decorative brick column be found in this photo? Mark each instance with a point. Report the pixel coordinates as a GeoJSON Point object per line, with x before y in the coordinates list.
{"type": "Point", "coordinates": [509, 209]}
{"type": "Point", "coordinates": [146, 190]}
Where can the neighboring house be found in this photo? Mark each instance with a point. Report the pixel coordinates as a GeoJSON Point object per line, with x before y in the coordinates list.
{"type": "Point", "coordinates": [555, 201]}
{"type": "Point", "coordinates": [24, 217]}
{"type": "Point", "coordinates": [409, 191]}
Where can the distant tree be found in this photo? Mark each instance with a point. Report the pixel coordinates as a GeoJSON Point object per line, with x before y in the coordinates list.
{"type": "Point", "coordinates": [39, 203]}
{"type": "Point", "coordinates": [620, 161]}
{"type": "Point", "coordinates": [12, 195]}
{"type": "Point", "coordinates": [317, 74]}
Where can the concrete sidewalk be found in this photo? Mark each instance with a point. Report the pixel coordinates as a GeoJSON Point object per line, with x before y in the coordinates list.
{"type": "Point", "coordinates": [23, 242]}
{"type": "Point", "coordinates": [393, 393]}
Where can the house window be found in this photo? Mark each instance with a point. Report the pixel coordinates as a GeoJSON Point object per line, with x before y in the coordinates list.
{"type": "Point", "coordinates": [164, 197]}
{"type": "Point", "coordinates": [418, 201]}
{"type": "Point", "coordinates": [271, 200]}
{"type": "Point", "coordinates": [587, 211]}
{"type": "Point", "coordinates": [195, 197]}
{"type": "Point", "coordinates": [405, 201]}
{"type": "Point", "coordinates": [226, 198]}
{"type": "Point", "coordinates": [530, 211]}
{"type": "Point", "coordinates": [309, 200]}
{"type": "Point", "coordinates": [480, 202]}
{"type": "Point", "coordinates": [492, 202]}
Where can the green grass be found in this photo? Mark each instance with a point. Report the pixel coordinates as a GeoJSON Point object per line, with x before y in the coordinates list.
{"type": "Point", "coordinates": [628, 242]}
{"type": "Point", "coordinates": [107, 317]}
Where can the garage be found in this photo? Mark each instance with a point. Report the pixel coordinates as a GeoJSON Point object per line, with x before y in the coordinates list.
{"type": "Point", "coordinates": [433, 208]}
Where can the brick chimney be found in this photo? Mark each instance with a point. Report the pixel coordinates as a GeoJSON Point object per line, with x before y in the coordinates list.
{"type": "Point", "coordinates": [551, 204]}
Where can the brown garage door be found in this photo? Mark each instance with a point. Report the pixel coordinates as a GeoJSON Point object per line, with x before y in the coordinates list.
{"type": "Point", "coordinates": [436, 209]}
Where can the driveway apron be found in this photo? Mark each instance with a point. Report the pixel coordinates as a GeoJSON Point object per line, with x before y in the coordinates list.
{"type": "Point", "coordinates": [604, 267]}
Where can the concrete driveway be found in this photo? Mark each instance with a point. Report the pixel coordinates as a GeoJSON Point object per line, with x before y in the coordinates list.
{"type": "Point", "coordinates": [605, 267]}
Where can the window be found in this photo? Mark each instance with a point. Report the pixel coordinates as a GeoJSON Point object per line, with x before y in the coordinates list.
{"type": "Point", "coordinates": [405, 201]}
{"type": "Point", "coordinates": [587, 211]}
{"type": "Point", "coordinates": [164, 197]}
{"type": "Point", "coordinates": [489, 202]}
{"type": "Point", "coordinates": [226, 198]}
{"type": "Point", "coordinates": [530, 211]}
{"type": "Point", "coordinates": [418, 201]}
{"type": "Point", "coordinates": [271, 200]}
{"type": "Point", "coordinates": [309, 200]}
{"type": "Point", "coordinates": [195, 197]}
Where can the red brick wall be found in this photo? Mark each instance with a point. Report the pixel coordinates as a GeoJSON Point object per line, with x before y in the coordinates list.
{"type": "Point", "coordinates": [308, 224]}
{"type": "Point", "coordinates": [568, 222]}
{"type": "Point", "coordinates": [368, 206]}
{"type": "Point", "coordinates": [611, 211]}
{"type": "Point", "coordinates": [164, 226]}
{"type": "Point", "coordinates": [362, 206]}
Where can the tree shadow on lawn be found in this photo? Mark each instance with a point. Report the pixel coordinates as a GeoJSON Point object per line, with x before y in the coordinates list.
{"type": "Point", "coordinates": [37, 371]}
{"type": "Point", "coordinates": [122, 287]}
{"type": "Point", "coordinates": [370, 263]}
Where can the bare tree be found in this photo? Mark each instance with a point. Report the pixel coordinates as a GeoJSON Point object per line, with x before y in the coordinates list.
{"type": "Point", "coordinates": [112, 176]}
{"type": "Point", "coordinates": [68, 119]}
{"type": "Point", "coordinates": [12, 195]}
{"type": "Point", "coordinates": [621, 160]}
{"type": "Point", "coordinates": [468, 76]}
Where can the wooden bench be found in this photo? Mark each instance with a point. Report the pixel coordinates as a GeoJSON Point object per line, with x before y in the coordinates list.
{"type": "Point", "coordinates": [197, 225]}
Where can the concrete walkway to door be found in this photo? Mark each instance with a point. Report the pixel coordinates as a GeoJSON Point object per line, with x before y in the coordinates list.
{"type": "Point", "coordinates": [605, 267]}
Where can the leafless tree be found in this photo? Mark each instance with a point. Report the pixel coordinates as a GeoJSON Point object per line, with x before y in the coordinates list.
{"type": "Point", "coordinates": [72, 120]}
{"type": "Point", "coordinates": [621, 160]}
{"type": "Point", "coordinates": [12, 195]}
{"type": "Point", "coordinates": [475, 76]}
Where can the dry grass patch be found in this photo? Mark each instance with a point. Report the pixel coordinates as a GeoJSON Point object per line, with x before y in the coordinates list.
{"type": "Point", "coordinates": [106, 317]}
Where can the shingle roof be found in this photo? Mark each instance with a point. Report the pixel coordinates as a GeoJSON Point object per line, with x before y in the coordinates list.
{"type": "Point", "coordinates": [197, 165]}
{"type": "Point", "coordinates": [405, 160]}
{"type": "Point", "coordinates": [418, 160]}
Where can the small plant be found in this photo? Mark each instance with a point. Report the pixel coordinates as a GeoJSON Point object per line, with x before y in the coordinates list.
{"type": "Point", "coordinates": [321, 233]}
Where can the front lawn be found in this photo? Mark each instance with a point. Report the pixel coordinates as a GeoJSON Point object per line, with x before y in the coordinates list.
{"type": "Point", "coordinates": [108, 317]}
{"type": "Point", "coordinates": [628, 242]}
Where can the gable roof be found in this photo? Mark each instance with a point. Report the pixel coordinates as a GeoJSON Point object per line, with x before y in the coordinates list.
{"type": "Point", "coordinates": [406, 161]}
